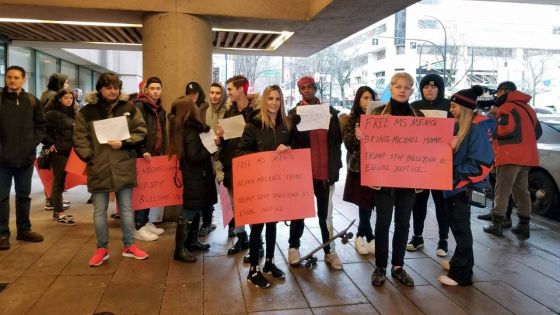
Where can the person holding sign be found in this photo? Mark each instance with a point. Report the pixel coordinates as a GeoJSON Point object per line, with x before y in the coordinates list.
{"type": "Point", "coordinates": [155, 144]}
{"type": "Point", "coordinates": [399, 199]}
{"type": "Point", "coordinates": [354, 192]}
{"type": "Point", "coordinates": [111, 167]}
{"type": "Point", "coordinates": [60, 115]}
{"type": "Point", "coordinates": [473, 158]}
{"type": "Point", "coordinates": [199, 189]}
{"type": "Point", "coordinates": [237, 87]}
{"type": "Point", "coordinates": [269, 129]}
{"type": "Point", "coordinates": [432, 89]}
{"type": "Point", "coordinates": [325, 164]}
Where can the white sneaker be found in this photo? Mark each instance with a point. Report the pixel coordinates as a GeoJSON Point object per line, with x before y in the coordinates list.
{"type": "Point", "coordinates": [445, 280]}
{"type": "Point", "coordinates": [154, 229]}
{"type": "Point", "coordinates": [293, 256]}
{"type": "Point", "coordinates": [144, 234]}
{"type": "Point", "coordinates": [371, 246]}
{"type": "Point", "coordinates": [333, 260]}
{"type": "Point", "coordinates": [444, 263]}
{"type": "Point", "coordinates": [361, 246]}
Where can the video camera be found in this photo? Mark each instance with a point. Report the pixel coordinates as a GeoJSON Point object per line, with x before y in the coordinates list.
{"type": "Point", "coordinates": [487, 99]}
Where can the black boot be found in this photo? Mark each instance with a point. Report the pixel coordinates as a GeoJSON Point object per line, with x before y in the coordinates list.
{"type": "Point", "coordinates": [495, 227]}
{"type": "Point", "coordinates": [181, 253]}
{"type": "Point", "coordinates": [522, 229]}
{"type": "Point", "coordinates": [192, 242]}
{"type": "Point", "coordinates": [507, 222]}
{"type": "Point", "coordinates": [241, 244]}
{"type": "Point", "coordinates": [485, 217]}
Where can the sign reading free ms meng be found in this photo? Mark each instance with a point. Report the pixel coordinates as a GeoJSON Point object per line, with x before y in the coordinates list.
{"type": "Point", "coordinates": [406, 151]}
{"type": "Point", "coordinates": [271, 186]}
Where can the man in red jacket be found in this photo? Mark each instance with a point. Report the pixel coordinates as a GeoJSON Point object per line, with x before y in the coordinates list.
{"type": "Point", "coordinates": [515, 151]}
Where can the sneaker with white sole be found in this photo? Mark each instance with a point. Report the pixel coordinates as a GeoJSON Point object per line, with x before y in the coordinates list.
{"type": "Point", "coordinates": [154, 229]}
{"type": "Point", "coordinates": [445, 280]}
{"type": "Point", "coordinates": [371, 246]}
{"type": "Point", "coordinates": [293, 256]}
{"type": "Point", "coordinates": [361, 245]}
{"type": "Point", "coordinates": [99, 257]}
{"type": "Point", "coordinates": [333, 260]}
{"type": "Point", "coordinates": [416, 242]}
{"type": "Point", "coordinates": [258, 279]}
{"type": "Point", "coordinates": [144, 234]}
{"type": "Point", "coordinates": [444, 263]}
{"type": "Point", "coordinates": [134, 252]}
{"type": "Point", "coordinates": [441, 250]}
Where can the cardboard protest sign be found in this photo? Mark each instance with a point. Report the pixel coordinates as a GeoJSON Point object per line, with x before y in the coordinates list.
{"type": "Point", "coordinates": [225, 201]}
{"type": "Point", "coordinates": [47, 178]}
{"type": "Point", "coordinates": [75, 165]}
{"type": "Point", "coordinates": [159, 183]}
{"type": "Point", "coordinates": [271, 186]}
{"type": "Point", "coordinates": [406, 152]}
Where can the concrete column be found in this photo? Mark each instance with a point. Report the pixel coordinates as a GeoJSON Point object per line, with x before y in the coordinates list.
{"type": "Point", "coordinates": [178, 49]}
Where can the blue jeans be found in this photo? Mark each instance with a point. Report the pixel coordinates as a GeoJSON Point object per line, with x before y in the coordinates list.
{"type": "Point", "coordinates": [22, 180]}
{"type": "Point", "coordinates": [100, 204]}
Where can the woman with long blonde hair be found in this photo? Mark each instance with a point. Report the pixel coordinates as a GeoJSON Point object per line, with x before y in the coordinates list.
{"type": "Point", "coordinates": [472, 161]}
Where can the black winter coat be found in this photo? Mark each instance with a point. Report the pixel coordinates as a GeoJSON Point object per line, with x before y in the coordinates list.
{"type": "Point", "coordinates": [199, 188]}
{"type": "Point", "coordinates": [60, 128]}
{"type": "Point", "coordinates": [258, 139]}
{"type": "Point", "coordinates": [150, 117]}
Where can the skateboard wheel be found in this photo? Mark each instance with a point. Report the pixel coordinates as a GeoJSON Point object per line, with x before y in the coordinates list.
{"type": "Point", "coordinates": [349, 235]}
{"type": "Point", "coordinates": [344, 240]}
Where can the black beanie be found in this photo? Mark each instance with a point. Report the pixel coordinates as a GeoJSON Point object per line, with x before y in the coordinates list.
{"type": "Point", "coordinates": [152, 80]}
{"type": "Point", "coordinates": [507, 86]}
{"type": "Point", "coordinates": [467, 98]}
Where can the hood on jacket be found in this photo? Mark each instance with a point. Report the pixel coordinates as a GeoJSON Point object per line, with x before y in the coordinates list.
{"type": "Point", "coordinates": [433, 79]}
{"type": "Point", "coordinates": [56, 81]}
{"type": "Point", "coordinates": [93, 97]}
{"type": "Point", "coordinates": [517, 96]}
{"type": "Point", "coordinates": [146, 99]}
{"type": "Point", "coordinates": [254, 101]}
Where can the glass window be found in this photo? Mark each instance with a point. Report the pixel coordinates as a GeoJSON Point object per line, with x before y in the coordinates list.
{"type": "Point", "coordinates": [85, 82]}
{"type": "Point", "coordinates": [46, 65]}
{"type": "Point", "coordinates": [23, 57]}
{"type": "Point", "coordinates": [96, 76]}
{"type": "Point", "coordinates": [71, 71]}
{"type": "Point", "coordinates": [3, 56]}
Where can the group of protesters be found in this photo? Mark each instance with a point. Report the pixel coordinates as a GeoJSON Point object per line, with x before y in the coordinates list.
{"type": "Point", "coordinates": [62, 124]}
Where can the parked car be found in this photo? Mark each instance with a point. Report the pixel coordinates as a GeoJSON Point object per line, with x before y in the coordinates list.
{"type": "Point", "coordinates": [544, 181]}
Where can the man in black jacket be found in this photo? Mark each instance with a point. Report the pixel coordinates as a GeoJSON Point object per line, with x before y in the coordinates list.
{"type": "Point", "coordinates": [432, 88]}
{"type": "Point", "coordinates": [22, 127]}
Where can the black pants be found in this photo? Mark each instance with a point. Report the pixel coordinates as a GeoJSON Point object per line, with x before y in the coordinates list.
{"type": "Point", "coordinates": [364, 226]}
{"type": "Point", "coordinates": [459, 214]}
{"type": "Point", "coordinates": [321, 189]}
{"type": "Point", "coordinates": [421, 207]}
{"type": "Point", "coordinates": [141, 217]}
{"type": "Point", "coordinates": [207, 216]}
{"type": "Point", "coordinates": [255, 240]}
{"type": "Point", "coordinates": [58, 164]}
{"type": "Point", "coordinates": [402, 200]}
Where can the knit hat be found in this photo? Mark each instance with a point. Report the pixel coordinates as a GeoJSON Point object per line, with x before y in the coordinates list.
{"type": "Point", "coordinates": [467, 98]}
{"type": "Point", "coordinates": [153, 80]}
{"type": "Point", "coordinates": [307, 80]}
{"type": "Point", "coordinates": [432, 79]}
{"type": "Point", "coordinates": [507, 86]}
{"type": "Point", "coordinates": [141, 85]}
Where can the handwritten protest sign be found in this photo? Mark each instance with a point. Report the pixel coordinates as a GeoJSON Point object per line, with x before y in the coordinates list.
{"type": "Point", "coordinates": [314, 117]}
{"type": "Point", "coordinates": [159, 183]}
{"type": "Point", "coordinates": [434, 113]}
{"type": "Point", "coordinates": [407, 152]}
{"type": "Point", "coordinates": [233, 126]}
{"type": "Point", "coordinates": [225, 201]}
{"type": "Point", "coordinates": [111, 129]}
{"type": "Point", "coordinates": [47, 177]}
{"type": "Point", "coordinates": [271, 186]}
{"type": "Point", "coordinates": [207, 139]}
{"type": "Point", "coordinates": [75, 165]}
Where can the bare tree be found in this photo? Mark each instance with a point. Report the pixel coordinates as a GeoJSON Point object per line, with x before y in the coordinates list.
{"type": "Point", "coordinates": [250, 66]}
{"type": "Point", "coordinates": [534, 61]}
{"type": "Point", "coordinates": [315, 66]}
{"type": "Point", "coordinates": [339, 66]}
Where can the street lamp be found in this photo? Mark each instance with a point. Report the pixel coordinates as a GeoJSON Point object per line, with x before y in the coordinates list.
{"type": "Point", "coordinates": [425, 41]}
{"type": "Point", "coordinates": [444, 47]}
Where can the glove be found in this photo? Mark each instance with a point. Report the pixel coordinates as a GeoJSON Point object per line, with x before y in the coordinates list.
{"type": "Point", "coordinates": [296, 119]}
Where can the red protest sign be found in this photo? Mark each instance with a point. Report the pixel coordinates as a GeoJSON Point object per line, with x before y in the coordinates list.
{"type": "Point", "coordinates": [159, 183]}
{"type": "Point", "coordinates": [406, 151]}
{"type": "Point", "coordinates": [271, 186]}
{"type": "Point", "coordinates": [47, 177]}
{"type": "Point", "coordinates": [75, 165]}
{"type": "Point", "coordinates": [225, 201]}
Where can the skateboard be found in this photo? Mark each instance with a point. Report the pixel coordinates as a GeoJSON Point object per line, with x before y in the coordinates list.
{"type": "Point", "coordinates": [309, 261]}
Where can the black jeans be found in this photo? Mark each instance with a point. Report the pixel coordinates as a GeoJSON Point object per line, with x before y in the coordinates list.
{"type": "Point", "coordinates": [22, 184]}
{"type": "Point", "coordinates": [364, 226]}
{"type": "Point", "coordinates": [459, 214]}
{"type": "Point", "coordinates": [58, 164]}
{"type": "Point", "coordinates": [421, 207]}
{"type": "Point", "coordinates": [402, 199]}
{"type": "Point", "coordinates": [321, 189]}
{"type": "Point", "coordinates": [141, 217]}
{"type": "Point", "coordinates": [255, 241]}
{"type": "Point", "coordinates": [207, 216]}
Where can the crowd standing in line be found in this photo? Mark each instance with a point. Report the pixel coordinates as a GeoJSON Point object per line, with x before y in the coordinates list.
{"type": "Point", "coordinates": [111, 166]}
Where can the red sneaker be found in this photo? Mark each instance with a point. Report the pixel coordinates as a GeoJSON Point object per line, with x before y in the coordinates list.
{"type": "Point", "coordinates": [101, 254]}
{"type": "Point", "coordinates": [135, 252]}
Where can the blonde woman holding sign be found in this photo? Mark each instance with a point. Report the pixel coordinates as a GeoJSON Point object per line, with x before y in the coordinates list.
{"type": "Point", "coordinates": [268, 129]}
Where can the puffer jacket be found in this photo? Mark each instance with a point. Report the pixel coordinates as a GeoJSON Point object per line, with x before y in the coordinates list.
{"type": "Point", "coordinates": [60, 128]}
{"type": "Point", "coordinates": [258, 139]}
{"type": "Point", "coordinates": [108, 169]}
{"type": "Point", "coordinates": [517, 133]}
{"type": "Point", "coordinates": [199, 188]}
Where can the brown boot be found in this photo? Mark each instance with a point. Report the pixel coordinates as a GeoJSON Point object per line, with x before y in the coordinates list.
{"type": "Point", "coordinates": [495, 227]}
{"type": "Point", "coordinates": [522, 229]}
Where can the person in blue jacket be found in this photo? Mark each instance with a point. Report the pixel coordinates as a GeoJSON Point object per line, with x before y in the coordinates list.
{"type": "Point", "coordinates": [473, 158]}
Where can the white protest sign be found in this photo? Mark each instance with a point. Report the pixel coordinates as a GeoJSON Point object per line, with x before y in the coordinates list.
{"type": "Point", "coordinates": [233, 126]}
{"type": "Point", "coordinates": [207, 139]}
{"type": "Point", "coordinates": [313, 117]}
{"type": "Point", "coordinates": [436, 113]}
{"type": "Point", "coordinates": [111, 129]}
